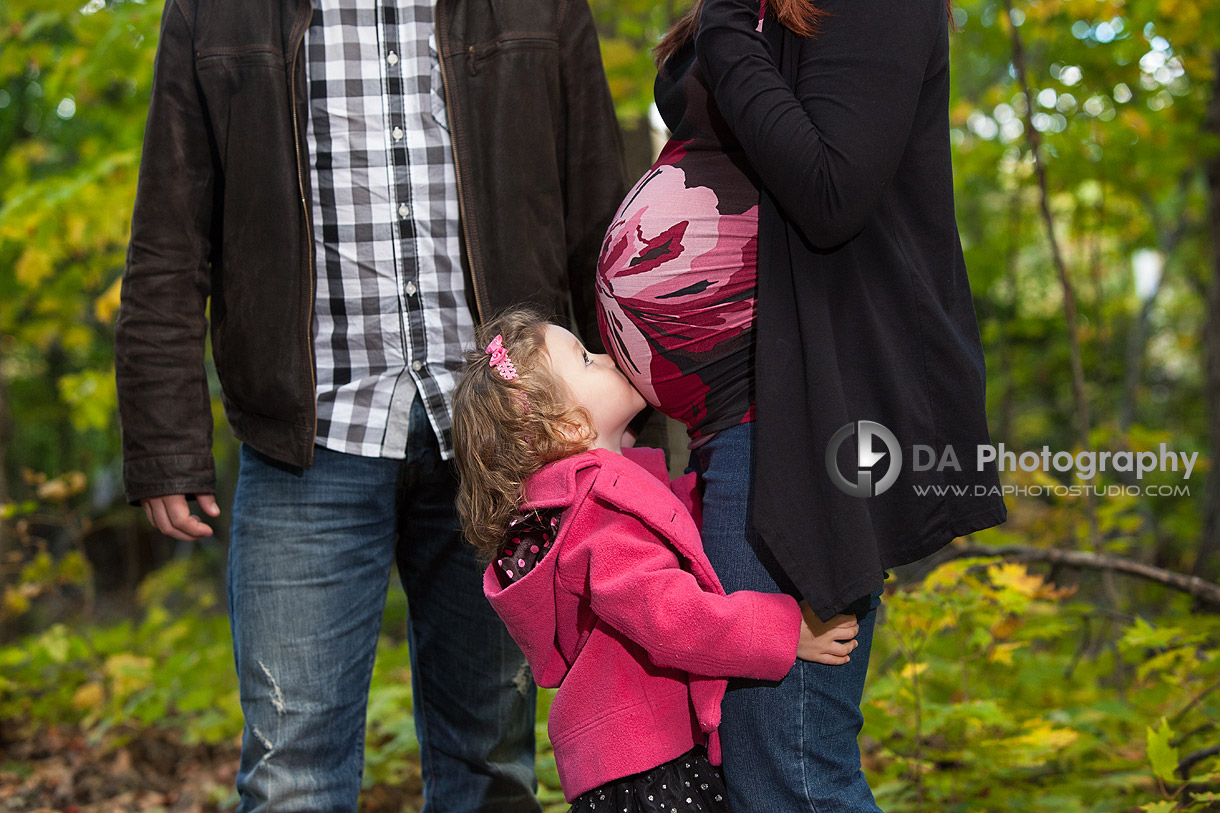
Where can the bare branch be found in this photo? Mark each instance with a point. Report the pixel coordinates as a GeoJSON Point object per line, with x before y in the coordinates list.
{"type": "Point", "coordinates": [1194, 701]}
{"type": "Point", "coordinates": [1190, 760]}
{"type": "Point", "coordinates": [1205, 591]}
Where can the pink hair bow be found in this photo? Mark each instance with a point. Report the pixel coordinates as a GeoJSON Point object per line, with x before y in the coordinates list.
{"type": "Point", "coordinates": [499, 359]}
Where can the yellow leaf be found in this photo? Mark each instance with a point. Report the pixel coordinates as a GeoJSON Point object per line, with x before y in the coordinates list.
{"type": "Point", "coordinates": [128, 673]}
{"type": "Point", "coordinates": [77, 337]}
{"type": "Point", "coordinates": [106, 305]}
{"type": "Point", "coordinates": [88, 696]}
{"type": "Point", "coordinates": [14, 603]}
{"type": "Point", "coordinates": [617, 53]}
{"type": "Point", "coordinates": [33, 266]}
{"type": "Point", "coordinates": [913, 669]}
{"type": "Point", "coordinates": [949, 575]}
{"type": "Point", "coordinates": [1015, 577]}
{"type": "Point", "coordinates": [960, 112]}
{"type": "Point", "coordinates": [74, 227]}
{"type": "Point", "coordinates": [1044, 735]}
{"type": "Point", "coordinates": [1032, 747]}
{"type": "Point", "coordinates": [1002, 653]}
{"type": "Point", "coordinates": [1005, 627]}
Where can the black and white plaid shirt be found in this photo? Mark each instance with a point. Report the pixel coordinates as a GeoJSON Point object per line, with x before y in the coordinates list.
{"type": "Point", "coordinates": [390, 316]}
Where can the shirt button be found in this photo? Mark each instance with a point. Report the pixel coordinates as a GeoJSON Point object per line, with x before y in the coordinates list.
{"type": "Point", "coordinates": [417, 366]}
{"type": "Point", "coordinates": [411, 289]}
{"type": "Point", "coordinates": [404, 210]}
{"type": "Point", "coordinates": [392, 58]}
{"type": "Point", "coordinates": [397, 133]}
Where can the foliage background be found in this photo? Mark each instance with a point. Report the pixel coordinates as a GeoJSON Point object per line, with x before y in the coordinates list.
{"type": "Point", "coordinates": [996, 684]}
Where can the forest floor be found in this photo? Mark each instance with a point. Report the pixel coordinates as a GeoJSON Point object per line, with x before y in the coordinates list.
{"type": "Point", "coordinates": [59, 770]}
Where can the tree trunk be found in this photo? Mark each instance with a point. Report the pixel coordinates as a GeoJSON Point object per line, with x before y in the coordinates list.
{"type": "Point", "coordinates": [1206, 565]}
{"type": "Point", "coordinates": [1167, 241]}
{"type": "Point", "coordinates": [1069, 295]}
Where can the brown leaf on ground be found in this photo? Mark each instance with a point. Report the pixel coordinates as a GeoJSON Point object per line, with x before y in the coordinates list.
{"type": "Point", "coordinates": [57, 770]}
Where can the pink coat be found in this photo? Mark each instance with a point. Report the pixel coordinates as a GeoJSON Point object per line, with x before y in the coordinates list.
{"type": "Point", "coordinates": [626, 617]}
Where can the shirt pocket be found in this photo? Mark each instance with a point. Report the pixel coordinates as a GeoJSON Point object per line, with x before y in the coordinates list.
{"type": "Point", "coordinates": [437, 90]}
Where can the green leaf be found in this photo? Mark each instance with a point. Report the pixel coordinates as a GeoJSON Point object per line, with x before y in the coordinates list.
{"type": "Point", "coordinates": [1159, 807]}
{"type": "Point", "coordinates": [1162, 755]}
{"type": "Point", "coordinates": [1142, 635]}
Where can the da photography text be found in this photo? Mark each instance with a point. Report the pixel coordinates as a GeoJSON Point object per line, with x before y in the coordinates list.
{"type": "Point", "coordinates": [879, 461]}
{"type": "Point", "coordinates": [1086, 465]}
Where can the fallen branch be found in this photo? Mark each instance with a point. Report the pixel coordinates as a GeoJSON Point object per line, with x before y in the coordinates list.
{"type": "Point", "coordinates": [1205, 591]}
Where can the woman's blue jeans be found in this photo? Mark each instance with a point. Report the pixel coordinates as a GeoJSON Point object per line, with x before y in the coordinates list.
{"type": "Point", "coordinates": [309, 566]}
{"type": "Point", "coordinates": [791, 746]}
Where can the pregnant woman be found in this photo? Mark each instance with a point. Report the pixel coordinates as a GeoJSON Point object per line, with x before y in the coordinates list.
{"type": "Point", "coordinates": [789, 268]}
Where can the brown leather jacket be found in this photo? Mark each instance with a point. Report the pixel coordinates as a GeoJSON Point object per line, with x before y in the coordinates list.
{"type": "Point", "coordinates": [222, 212]}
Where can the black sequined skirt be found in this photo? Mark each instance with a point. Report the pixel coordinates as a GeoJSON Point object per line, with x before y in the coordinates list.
{"type": "Point", "coordinates": [684, 785]}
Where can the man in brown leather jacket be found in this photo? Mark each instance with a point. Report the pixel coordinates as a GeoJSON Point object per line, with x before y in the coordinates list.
{"type": "Point", "coordinates": [348, 185]}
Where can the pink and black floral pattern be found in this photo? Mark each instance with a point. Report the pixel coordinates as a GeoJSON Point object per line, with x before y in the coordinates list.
{"type": "Point", "coordinates": [677, 272]}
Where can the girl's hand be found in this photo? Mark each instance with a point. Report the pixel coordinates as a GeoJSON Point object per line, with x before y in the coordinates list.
{"type": "Point", "coordinates": [829, 642]}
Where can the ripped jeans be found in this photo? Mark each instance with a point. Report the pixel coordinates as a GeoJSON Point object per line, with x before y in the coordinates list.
{"type": "Point", "coordinates": [309, 567]}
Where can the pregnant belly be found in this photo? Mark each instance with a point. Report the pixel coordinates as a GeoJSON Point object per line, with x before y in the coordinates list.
{"type": "Point", "coordinates": [676, 281]}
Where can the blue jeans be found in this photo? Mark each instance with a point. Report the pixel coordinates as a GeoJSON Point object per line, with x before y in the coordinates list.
{"type": "Point", "coordinates": [791, 746]}
{"type": "Point", "coordinates": [309, 566]}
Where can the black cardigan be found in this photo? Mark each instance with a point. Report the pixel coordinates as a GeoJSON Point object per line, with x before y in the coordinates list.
{"type": "Point", "coordinates": [864, 307]}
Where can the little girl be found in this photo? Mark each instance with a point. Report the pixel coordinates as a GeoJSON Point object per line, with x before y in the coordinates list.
{"type": "Point", "coordinates": [598, 572]}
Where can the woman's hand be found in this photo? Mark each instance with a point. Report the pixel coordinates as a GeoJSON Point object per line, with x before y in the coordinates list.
{"type": "Point", "coordinates": [830, 642]}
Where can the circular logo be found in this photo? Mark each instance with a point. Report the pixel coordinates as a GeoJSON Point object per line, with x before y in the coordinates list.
{"type": "Point", "coordinates": [866, 458]}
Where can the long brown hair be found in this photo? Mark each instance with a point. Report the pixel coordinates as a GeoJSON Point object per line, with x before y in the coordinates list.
{"type": "Point", "coordinates": [504, 431]}
{"type": "Point", "coordinates": [801, 17]}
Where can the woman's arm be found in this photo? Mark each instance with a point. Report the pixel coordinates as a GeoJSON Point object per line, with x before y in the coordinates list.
{"type": "Point", "coordinates": [827, 149]}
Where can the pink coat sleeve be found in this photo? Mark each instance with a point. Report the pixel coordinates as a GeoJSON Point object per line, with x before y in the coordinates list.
{"type": "Point", "coordinates": [636, 585]}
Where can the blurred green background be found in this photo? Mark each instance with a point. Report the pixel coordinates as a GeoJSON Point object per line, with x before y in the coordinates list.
{"type": "Point", "coordinates": [1079, 673]}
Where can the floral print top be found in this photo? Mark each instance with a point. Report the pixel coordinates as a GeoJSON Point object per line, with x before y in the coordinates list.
{"type": "Point", "coordinates": [676, 276]}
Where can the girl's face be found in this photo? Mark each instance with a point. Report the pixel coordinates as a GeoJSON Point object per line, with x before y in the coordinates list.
{"type": "Point", "coordinates": [596, 384]}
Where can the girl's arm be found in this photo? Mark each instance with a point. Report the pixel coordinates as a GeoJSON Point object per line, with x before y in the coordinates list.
{"type": "Point", "coordinates": [636, 585]}
{"type": "Point", "coordinates": [826, 150]}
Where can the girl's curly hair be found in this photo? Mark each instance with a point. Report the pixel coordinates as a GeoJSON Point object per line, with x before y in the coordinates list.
{"type": "Point", "coordinates": [504, 431]}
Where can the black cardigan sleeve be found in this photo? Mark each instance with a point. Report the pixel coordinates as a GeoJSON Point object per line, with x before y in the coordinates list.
{"type": "Point", "coordinates": [826, 148]}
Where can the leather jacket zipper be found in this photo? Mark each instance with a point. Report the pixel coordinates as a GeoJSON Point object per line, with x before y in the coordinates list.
{"type": "Point", "coordinates": [311, 280]}
{"type": "Point", "coordinates": [455, 128]}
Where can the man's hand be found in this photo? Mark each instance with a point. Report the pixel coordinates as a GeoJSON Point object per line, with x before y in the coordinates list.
{"type": "Point", "coordinates": [172, 516]}
{"type": "Point", "coordinates": [830, 642]}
